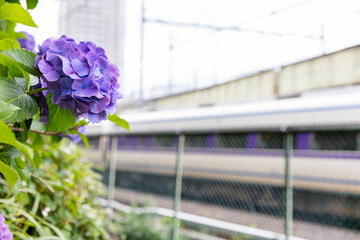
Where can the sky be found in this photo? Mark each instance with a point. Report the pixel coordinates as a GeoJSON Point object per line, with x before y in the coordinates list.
{"type": "Point", "coordinates": [202, 57]}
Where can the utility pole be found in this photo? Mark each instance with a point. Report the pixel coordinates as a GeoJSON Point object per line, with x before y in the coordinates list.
{"type": "Point", "coordinates": [171, 48]}
{"type": "Point", "coordinates": [141, 80]}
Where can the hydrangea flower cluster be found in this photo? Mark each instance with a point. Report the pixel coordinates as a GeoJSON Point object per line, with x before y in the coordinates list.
{"type": "Point", "coordinates": [80, 77]}
{"type": "Point", "coordinates": [28, 42]}
{"type": "Point", "coordinates": [75, 137]}
{"type": "Point", "coordinates": [5, 233]}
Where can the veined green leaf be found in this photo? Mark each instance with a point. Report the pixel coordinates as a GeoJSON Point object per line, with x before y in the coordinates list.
{"type": "Point", "coordinates": [7, 109]}
{"type": "Point", "coordinates": [13, 93]}
{"type": "Point", "coordinates": [119, 121]}
{"type": "Point", "coordinates": [8, 137]}
{"type": "Point", "coordinates": [24, 59]}
{"type": "Point", "coordinates": [10, 175]}
{"type": "Point", "coordinates": [59, 119]}
{"type": "Point", "coordinates": [13, 70]}
{"type": "Point", "coordinates": [16, 13]}
{"type": "Point", "coordinates": [22, 82]}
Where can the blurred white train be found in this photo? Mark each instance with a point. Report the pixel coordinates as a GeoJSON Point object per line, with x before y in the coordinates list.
{"type": "Point", "coordinates": [242, 145]}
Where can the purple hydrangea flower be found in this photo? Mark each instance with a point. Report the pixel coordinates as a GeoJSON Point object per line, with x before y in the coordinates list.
{"type": "Point", "coordinates": [28, 42]}
{"type": "Point", "coordinates": [80, 77]}
{"type": "Point", "coordinates": [75, 137]}
{"type": "Point", "coordinates": [5, 233]}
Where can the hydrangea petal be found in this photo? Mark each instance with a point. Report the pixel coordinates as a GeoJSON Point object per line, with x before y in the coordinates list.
{"type": "Point", "coordinates": [80, 67]}
{"type": "Point", "coordinates": [5, 233]}
{"type": "Point", "coordinates": [97, 117]}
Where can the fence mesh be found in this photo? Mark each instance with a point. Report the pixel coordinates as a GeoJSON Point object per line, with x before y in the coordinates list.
{"type": "Point", "coordinates": [239, 177]}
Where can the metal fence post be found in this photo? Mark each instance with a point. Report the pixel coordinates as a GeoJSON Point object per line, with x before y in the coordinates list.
{"type": "Point", "coordinates": [112, 172]}
{"type": "Point", "coordinates": [178, 184]}
{"type": "Point", "coordinates": [288, 148]}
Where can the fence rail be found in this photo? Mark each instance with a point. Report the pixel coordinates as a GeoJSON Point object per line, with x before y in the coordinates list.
{"type": "Point", "coordinates": [301, 182]}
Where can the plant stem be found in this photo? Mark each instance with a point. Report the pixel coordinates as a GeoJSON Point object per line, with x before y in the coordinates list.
{"type": "Point", "coordinates": [40, 132]}
{"type": "Point", "coordinates": [34, 131]}
{"type": "Point", "coordinates": [37, 90]}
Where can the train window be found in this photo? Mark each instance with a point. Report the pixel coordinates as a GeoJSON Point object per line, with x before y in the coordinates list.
{"type": "Point", "coordinates": [93, 142]}
{"type": "Point", "coordinates": [163, 141]}
{"type": "Point", "coordinates": [196, 140]}
{"type": "Point", "coordinates": [127, 141]}
{"type": "Point", "coordinates": [335, 141]}
{"type": "Point", "coordinates": [302, 140]}
{"type": "Point", "coordinates": [132, 141]}
{"type": "Point", "coordinates": [231, 140]}
{"type": "Point", "coordinates": [141, 141]}
{"type": "Point", "coordinates": [270, 140]}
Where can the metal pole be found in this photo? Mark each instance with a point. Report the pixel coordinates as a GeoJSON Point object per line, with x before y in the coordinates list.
{"type": "Point", "coordinates": [178, 183]}
{"type": "Point", "coordinates": [288, 147]}
{"type": "Point", "coordinates": [112, 172]}
{"type": "Point", "coordinates": [170, 81]}
{"type": "Point", "coordinates": [322, 38]}
{"type": "Point", "coordinates": [141, 80]}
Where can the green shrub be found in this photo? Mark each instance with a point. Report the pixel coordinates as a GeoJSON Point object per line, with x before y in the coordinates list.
{"type": "Point", "coordinates": [62, 197]}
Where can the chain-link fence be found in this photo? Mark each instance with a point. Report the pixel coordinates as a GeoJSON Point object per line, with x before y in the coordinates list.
{"type": "Point", "coordinates": [245, 178]}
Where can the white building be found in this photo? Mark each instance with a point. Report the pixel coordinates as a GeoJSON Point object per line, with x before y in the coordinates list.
{"type": "Point", "coordinates": [99, 21]}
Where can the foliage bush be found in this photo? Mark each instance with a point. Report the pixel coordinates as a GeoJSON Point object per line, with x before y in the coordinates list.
{"type": "Point", "coordinates": [146, 226]}
{"type": "Point", "coordinates": [60, 199]}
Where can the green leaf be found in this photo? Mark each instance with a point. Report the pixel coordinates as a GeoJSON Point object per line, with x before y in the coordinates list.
{"type": "Point", "coordinates": [37, 159]}
{"type": "Point", "coordinates": [31, 4]}
{"type": "Point", "coordinates": [4, 70]}
{"type": "Point", "coordinates": [84, 139]}
{"type": "Point", "coordinates": [23, 198]}
{"type": "Point", "coordinates": [20, 162]}
{"type": "Point", "coordinates": [33, 80]}
{"type": "Point", "coordinates": [6, 44]}
{"type": "Point", "coordinates": [24, 133]}
{"type": "Point", "coordinates": [13, 69]}
{"type": "Point", "coordinates": [59, 119]}
{"type": "Point", "coordinates": [10, 175]}
{"type": "Point", "coordinates": [13, 93]}
{"type": "Point", "coordinates": [119, 121]}
{"type": "Point", "coordinates": [10, 29]}
{"type": "Point", "coordinates": [24, 59]}
{"type": "Point", "coordinates": [24, 175]}
{"type": "Point", "coordinates": [13, 1]}
{"type": "Point", "coordinates": [22, 82]}
{"type": "Point", "coordinates": [53, 227]}
{"type": "Point", "coordinates": [16, 13]}
{"type": "Point", "coordinates": [8, 137]}
{"type": "Point", "coordinates": [7, 109]}
{"type": "Point", "coordinates": [31, 219]}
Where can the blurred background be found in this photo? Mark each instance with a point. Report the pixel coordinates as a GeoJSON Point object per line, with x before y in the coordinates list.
{"type": "Point", "coordinates": [245, 114]}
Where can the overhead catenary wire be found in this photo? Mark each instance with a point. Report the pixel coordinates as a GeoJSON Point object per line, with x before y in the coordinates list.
{"type": "Point", "coordinates": [229, 28]}
{"type": "Point", "coordinates": [215, 28]}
